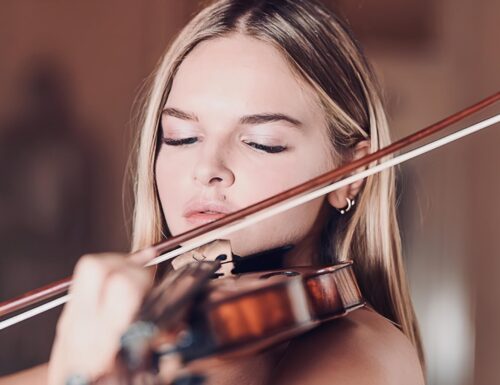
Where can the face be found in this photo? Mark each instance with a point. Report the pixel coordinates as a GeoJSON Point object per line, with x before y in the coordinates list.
{"type": "Point", "coordinates": [238, 127]}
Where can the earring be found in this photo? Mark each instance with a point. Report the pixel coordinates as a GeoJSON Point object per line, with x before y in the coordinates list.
{"type": "Point", "coordinates": [350, 203]}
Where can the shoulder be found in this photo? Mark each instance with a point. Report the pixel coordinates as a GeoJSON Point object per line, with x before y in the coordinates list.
{"type": "Point", "coordinates": [361, 348]}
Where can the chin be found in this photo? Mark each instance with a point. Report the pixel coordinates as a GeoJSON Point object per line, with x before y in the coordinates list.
{"type": "Point", "coordinates": [246, 242]}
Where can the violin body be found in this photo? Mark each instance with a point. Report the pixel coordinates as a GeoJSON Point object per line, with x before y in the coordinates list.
{"type": "Point", "coordinates": [190, 317]}
{"type": "Point", "coordinates": [251, 312]}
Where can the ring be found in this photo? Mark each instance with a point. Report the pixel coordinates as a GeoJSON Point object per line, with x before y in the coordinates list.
{"type": "Point", "coordinates": [77, 379]}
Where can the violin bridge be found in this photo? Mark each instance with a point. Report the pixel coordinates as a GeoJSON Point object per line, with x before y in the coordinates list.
{"type": "Point", "coordinates": [218, 250]}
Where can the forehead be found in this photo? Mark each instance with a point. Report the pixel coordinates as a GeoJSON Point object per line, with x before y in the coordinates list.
{"type": "Point", "coordinates": [240, 74]}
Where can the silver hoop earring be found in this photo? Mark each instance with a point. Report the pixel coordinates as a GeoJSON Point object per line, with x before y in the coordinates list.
{"type": "Point", "coordinates": [350, 203]}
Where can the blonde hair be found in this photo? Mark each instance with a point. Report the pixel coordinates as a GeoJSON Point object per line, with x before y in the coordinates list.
{"type": "Point", "coordinates": [321, 50]}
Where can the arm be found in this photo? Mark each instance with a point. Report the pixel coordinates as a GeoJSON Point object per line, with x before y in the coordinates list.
{"type": "Point", "coordinates": [362, 348]}
{"type": "Point", "coordinates": [34, 376]}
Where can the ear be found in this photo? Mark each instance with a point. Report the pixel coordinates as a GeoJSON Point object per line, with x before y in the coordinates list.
{"type": "Point", "coordinates": [338, 197]}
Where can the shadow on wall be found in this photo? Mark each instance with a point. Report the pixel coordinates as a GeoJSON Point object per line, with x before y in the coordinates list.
{"type": "Point", "coordinates": [47, 176]}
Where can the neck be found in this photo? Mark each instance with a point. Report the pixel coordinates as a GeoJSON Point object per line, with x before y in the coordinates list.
{"type": "Point", "coordinates": [304, 252]}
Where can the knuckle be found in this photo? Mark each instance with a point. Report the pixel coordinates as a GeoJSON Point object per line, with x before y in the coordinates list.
{"type": "Point", "coordinates": [117, 281]}
{"type": "Point", "coordinates": [89, 264]}
{"type": "Point", "coordinates": [89, 274]}
{"type": "Point", "coordinates": [123, 297]}
{"type": "Point", "coordinates": [121, 284]}
{"type": "Point", "coordinates": [144, 279]}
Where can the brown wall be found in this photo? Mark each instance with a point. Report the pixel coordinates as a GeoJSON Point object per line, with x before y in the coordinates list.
{"type": "Point", "coordinates": [91, 58]}
{"type": "Point", "coordinates": [434, 57]}
{"type": "Point", "coordinates": [450, 206]}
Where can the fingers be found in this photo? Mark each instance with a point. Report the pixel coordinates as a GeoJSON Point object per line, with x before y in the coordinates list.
{"type": "Point", "coordinates": [105, 281]}
{"type": "Point", "coordinates": [106, 293]}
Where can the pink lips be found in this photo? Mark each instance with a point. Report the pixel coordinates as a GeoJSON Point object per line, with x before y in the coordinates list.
{"type": "Point", "coordinates": [200, 212]}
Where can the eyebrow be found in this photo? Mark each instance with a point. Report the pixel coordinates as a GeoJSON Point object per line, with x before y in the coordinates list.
{"type": "Point", "coordinates": [253, 119]}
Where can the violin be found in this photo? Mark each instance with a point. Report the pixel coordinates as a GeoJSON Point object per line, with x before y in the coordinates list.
{"type": "Point", "coordinates": [191, 316]}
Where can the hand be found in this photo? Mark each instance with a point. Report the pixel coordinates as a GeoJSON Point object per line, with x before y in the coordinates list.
{"type": "Point", "coordinates": [106, 292]}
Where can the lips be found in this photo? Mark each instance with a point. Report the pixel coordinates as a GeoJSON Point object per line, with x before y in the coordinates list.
{"type": "Point", "coordinates": [201, 212]}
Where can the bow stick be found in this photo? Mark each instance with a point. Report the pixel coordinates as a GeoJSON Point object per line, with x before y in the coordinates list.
{"type": "Point", "coordinates": [257, 212]}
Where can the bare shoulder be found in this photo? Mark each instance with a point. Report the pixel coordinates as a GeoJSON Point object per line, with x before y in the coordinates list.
{"type": "Point", "coordinates": [361, 348]}
{"type": "Point", "coordinates": [34, 376]}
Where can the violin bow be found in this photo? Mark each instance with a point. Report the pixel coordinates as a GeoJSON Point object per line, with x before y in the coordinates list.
{"type": "Point", "coordinates": [295, 196]}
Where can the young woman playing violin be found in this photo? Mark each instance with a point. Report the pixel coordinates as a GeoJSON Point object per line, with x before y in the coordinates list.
{"type": "Point", "coordinates": [252, 98]}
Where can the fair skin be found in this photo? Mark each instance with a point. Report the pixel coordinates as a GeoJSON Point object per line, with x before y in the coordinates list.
{"type": "Point", "coordinates": [223, 166]}
{"type": "Point", "coordinates": [219, 85]}
{"type": "Point", "coordinates": [217, 126]}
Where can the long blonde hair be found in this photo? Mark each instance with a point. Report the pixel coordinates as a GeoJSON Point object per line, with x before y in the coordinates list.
{"type": "Point", "coordinates": [322, 52]}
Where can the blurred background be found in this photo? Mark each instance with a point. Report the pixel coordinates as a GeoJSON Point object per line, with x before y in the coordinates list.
{"type": "Point", "coordinates": [70, 73]}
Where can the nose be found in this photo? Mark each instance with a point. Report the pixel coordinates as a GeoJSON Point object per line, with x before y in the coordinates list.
{"type": "Point", "coordinates": [211, 169]}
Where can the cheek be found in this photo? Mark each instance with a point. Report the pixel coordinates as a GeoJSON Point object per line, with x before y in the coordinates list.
{"type": "Point", "coordinates": [288, 228]}
{"type": "Point", "coordinates": [264, 180]}
{"type": "Point", "coordinates": [169, 184]}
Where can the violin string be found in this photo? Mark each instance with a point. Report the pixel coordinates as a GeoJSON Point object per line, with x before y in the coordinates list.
{"type": "Point", "coordinates": [278, 208]}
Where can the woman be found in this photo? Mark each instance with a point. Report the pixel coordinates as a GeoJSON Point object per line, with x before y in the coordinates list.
{"type": "Point", "coordinates": [254, 97]}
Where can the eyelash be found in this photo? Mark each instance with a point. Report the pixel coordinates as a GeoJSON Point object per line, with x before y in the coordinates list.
{"type": "Point", "coordinates": [258, 146]}
{"type": "Point", "coordinates": [268, 149]}
{"type": "Point", "coordinates": [180, 142]}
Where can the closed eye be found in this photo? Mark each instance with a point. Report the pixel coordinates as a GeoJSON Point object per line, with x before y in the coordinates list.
{"type": "Point", "coordinates": [179, 142]}
{"type": "Point", "coordinates": [269, 149]}
{"type": "Point", "coordinates": [192, 140]}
